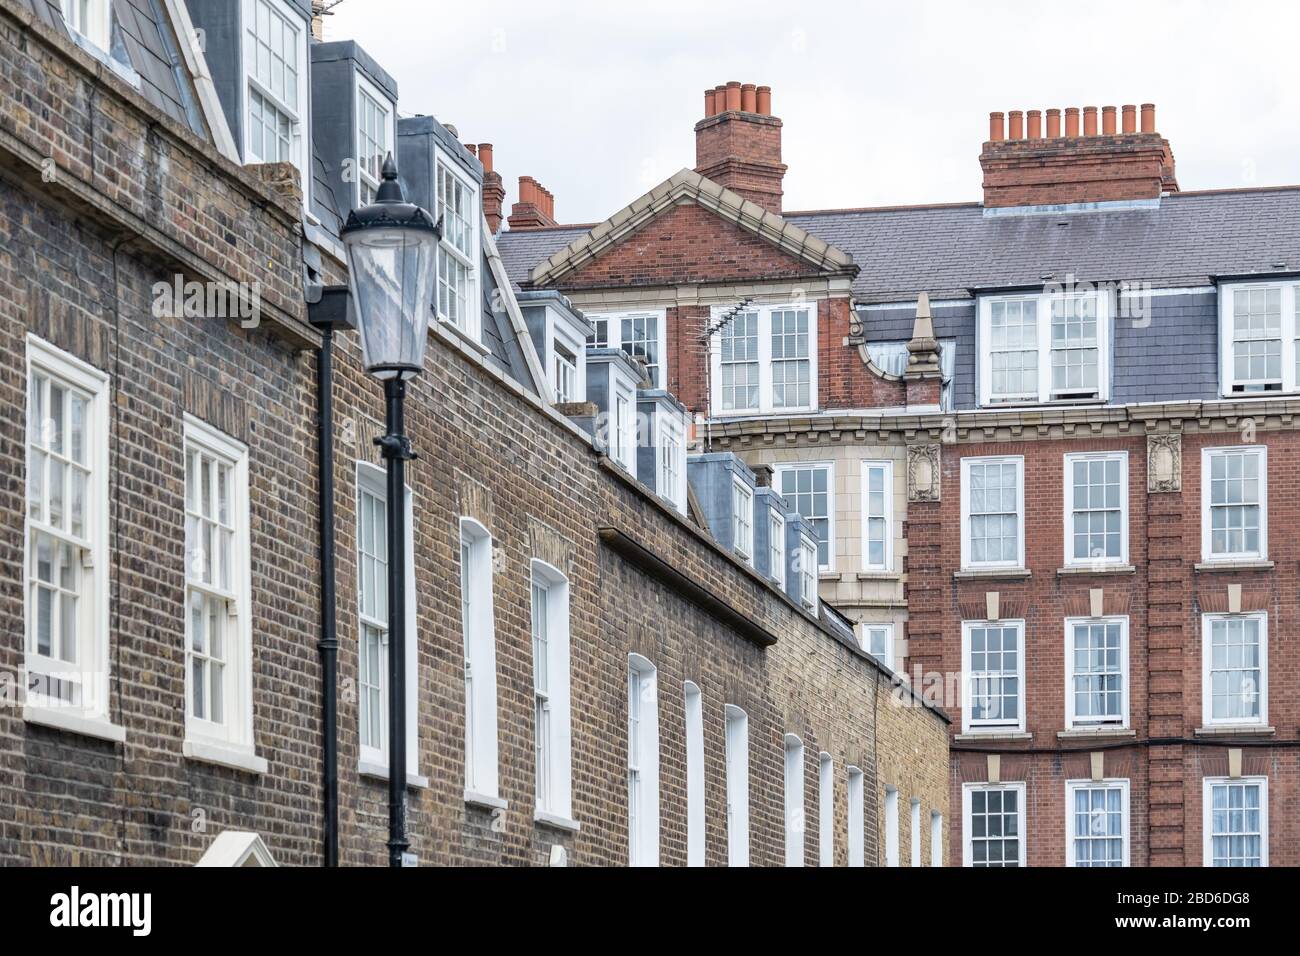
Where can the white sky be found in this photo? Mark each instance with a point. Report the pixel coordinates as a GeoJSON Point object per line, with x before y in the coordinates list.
{"type": "Point", "coordinates": [883, 103]}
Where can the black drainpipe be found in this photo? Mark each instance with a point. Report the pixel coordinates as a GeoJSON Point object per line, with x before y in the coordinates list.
{"type": "Point", "coordinates": [328, 315]}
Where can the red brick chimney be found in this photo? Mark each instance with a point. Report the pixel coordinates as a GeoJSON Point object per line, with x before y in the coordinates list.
{"type": "Point", "coordinates": [536, 206]}
{"type": "Point", "coordinates": [494, 190]}
{"type": "Point", "coordinates": [738, 143]}
{"type": "Point", "coordinates": [1024, 167]}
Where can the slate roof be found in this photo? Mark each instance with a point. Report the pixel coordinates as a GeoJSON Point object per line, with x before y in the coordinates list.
{"type": "Point", "coordinates": [946, 250]}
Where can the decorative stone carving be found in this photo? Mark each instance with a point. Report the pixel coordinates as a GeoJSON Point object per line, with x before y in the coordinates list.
{"type": "Point", "coordinates": [1164, 463]}
{"type": "Point", "coordinates": [923, 472]}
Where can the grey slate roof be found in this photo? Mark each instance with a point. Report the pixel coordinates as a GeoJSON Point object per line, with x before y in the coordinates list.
{"type": "Point", "coordinates": [946, 250]}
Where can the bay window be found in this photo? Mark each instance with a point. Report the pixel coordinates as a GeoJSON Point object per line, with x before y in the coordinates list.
{"type": "Point", "coordinates": [993, 824]}
{"type": "Point", "coordinates": [993, 661]}
{"type": "Point", "coordinates": [1096, 814]}
{"type": "Point", "coordinates": [1096, 508]}
{"type": "Point", "coordinates": [809, 488]}
{"type": "Point", "coordinates": [1234, 503]}
{"type": "Point", "coordinates": [1257, 335]}
{"type": "Point", "coordinates": [457, 206]}
{"type": "Point", "coordinates": [992, 513]}
{"type": "Point", "coordinates": [1044, 347]}
{"type": "Point", "coordinates": [1096, 664]}
{"type": "Point", "coordinates": [275, 88]}
{"type": "Point", "coordinates": [764, 360]}
{"type": "Point", "coordinates": [1235, 821]}
{"type": "Point", "coordinates": [1234, 669]}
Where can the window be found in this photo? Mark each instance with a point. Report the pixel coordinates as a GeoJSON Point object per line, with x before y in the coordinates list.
{"type": "Point", "coordinates": [994, 662]}
{"type": "Point", "coordinates": [891, 826]}
{"type": "Point", "coordinates": [915, 837]}
{"type": "Point", "coordinates": [642, 763]}
{"type": "Point", "coordinates": [856, 818]}
{"type": "Point", "coordinates": [764, 360]}
{"type": "Point", "coordinates": [372, 634]}
{"type": "Point", "coordinates": [877, 515]}
{"type": "Point", "coordinates": [825, 810]}
{"type": "Point", "coordinates": [551, 715]}
{"type": "Point", "coordinates": [1234, 684]}
{"type": "Point", "coordinates": [624, 427]}
{"type": "Point", "coordinates": [642, 335]}
{"type": "Point", "coordinates": [1096, 815]}
{"type": "Point", "coordinates": [1096, 672]}
{"type": "Point", "coordinates": [936, 838]}
{"type": "Point", "coordinates": [742, 519]}
{"type": "Point", "coordinates": [479, 636]}
{"type": "Point", "coordinates": [374, 138]}
{"type": "Point", "coordinates": [794, 815]}
{"type": "Point", "coordinates": [891, 357]}
{"type": "Point", "coordinates": [1257, 332]}
{"type": "Point", "coordinates": [1096, 509]}
{"type": "Point", "coordinates": [809, 490]}
{"type": "Point", "coordinates": [92, 19]}
{"type": "Point", "coordinates": [994, 824]}
{"type": "Point", "coordinates": [878, 641]}
{"type": "Point", "coordinates": [672, 460]}
{"type": "Point", "coordinates": [737, 730]}
{"type": "Point", "coordinates": [275, 54]}
{"type": "Point", "coordinates": [1234, 504]}
{"type": "Point", "coordinates": [808, 574]}
{"type": "Point", "coordinates": [1236, 821]}
{"type": "Point", "coordinates": [67, 563]}
{"type": "Point", "coordinates": [776, 546]}
{"type": "Point", "coordinates": [564, 375]}
{"type": "Point", "coordinates": [694, 775]}
{"type": "Point", "coordinates": [992, 512]}
{"type": "Point", "coordinates": [457, 252]}
{"type": "Point", "coordinates": [1048, 347]}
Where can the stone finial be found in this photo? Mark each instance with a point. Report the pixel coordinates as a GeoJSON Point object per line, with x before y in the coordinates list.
{"type": "Point", "coordinates": [923, 349]}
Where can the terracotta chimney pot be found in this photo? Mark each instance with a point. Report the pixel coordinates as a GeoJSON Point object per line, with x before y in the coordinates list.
{"type": "Point", "coordinates": [1053, 124]}
{"type": "Point", "coordinates": [763, 96]}
{"type": "Point", "coordinates": [733, 95]}
{"type": "Point", "coordinates": [997, 127]}
{"type": "Point", "coordinates": [1015, 125]}
{"type": "Point", "coordinates": [1090, 121]}
{"type": "Point", "coordinates": [485, 156]}
{"type": "Point", "coordinates": [1071, 121]}
{"type": "Point", "coordinates": [1108, 120]}
{"type": "Point", "coordinates": [1130, 118]}
{"type": "Point", "coordinates": [1148, 117]}
{"type": "Point", "coordinates": [1035, 129]}
{"type": "Point", "coordinates": [748, 98]}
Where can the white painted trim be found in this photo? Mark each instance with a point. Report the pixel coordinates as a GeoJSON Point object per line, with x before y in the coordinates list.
{"type": "Point", "coordinates": [71, 720]}
{"type": "Point", "coordinates": [477, 225]}
{"type": "Point", "coordinates": [855, 788]}
{"type": "Point", "coordinates": [888, 466]}
{"type": "Point", "coordinates": [1289, 327]}
{"type": "Point", "coordinates": [695, 782]}
{"type": "Point", "coordinates": [778, 471]}
{"type": "Point", "coordinates": [643, 834]}
{"type": "Point", "coordinates": [915, 828]}
{"type": "Point", "coordinates": [795, 826]}
{"type": "Point", "coordinates": [614, 334]}
{"type": "Point", "coordinates": [558, 803]}
{"type": "Point", "coordinates": [1207, 821]}
{"type": "Point", "coordinates": [1116, 783]}
{"type": "Point", "coordinates": [481, 765]}
{"type": "Point", "coordinates": [301, 144]}
{"type": "Point", "coordinates": [1071, 722]}
{"type": "Point", "coordinates": [1207, 555]}
{"type": "Point", "coordinates": [736, 738]}
{"type": "Point", "coordinates": [992, 727]}
{"type": "Point", "coordinates": [236, 848]}
{"type": "Point", "coordinates": [233, 757]}
{"type": "Point", "coordinates": [187, 38]}
{"type": "Point", "coordinates": [1207, 717]}
{"type": "Point", "coordinates": [936, 838]}
{"type": "Point", "coordinates": [864, 630]}
{"type": "Point", "coordinates": [764, 360]}
{"type": "Point", "coordinates": [966, 563]}
{"type": "Point", "coordinates": [891, 826]}
{"type": "Point", "coordinates": [1068, 497]}
{"type": "Point", "coordinates": [381, 99]}
{"type": "Point", "coordinates": [825, 809]}
{"type": "Point", "coordinates": [1022, 812]}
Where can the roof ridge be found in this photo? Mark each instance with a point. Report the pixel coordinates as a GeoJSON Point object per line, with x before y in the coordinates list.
{"type": "Point", "coordinates": [898, 208]}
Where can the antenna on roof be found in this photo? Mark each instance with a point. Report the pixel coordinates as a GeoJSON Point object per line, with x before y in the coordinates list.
{"type": "Point", "coordinates": [704, 345]}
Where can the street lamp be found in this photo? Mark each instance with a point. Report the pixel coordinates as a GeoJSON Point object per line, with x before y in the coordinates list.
{"type": "Point", "coordinates": [390, 246]}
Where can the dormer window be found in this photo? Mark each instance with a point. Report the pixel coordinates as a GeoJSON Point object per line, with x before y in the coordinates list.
{"type": "Point", "coordinates": [764, 360]}
{"type": "Point", "coordinates": [1257, 329]}
{"type": "Point", "coordinates": [1044, 347]}
{"type": "Point", "coordinates": [91, 19]}
{"type": "Point", "coordinates": [564, 375]}
{"type": "Point", "coordinates": [275, 55]}
{"type": "Point", "coordinates": [642, 335]}
{"type": "Point", "coordinates": [672, 462]}
{"type": "Point", "coordinates": [374, 138]}
{"type": "Point", "coordinates": [742, 519]}
{"type": "Point", "coordinates": [457, 208]}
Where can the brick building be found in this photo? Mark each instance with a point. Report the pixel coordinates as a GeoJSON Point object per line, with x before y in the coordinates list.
{"type": "Point", "coordinates": [610, 664]}
{"type": "Point", "coordinates": [1040, 438]}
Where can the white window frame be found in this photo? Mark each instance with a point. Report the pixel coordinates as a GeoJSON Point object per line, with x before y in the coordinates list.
{"type": "Point", "coordinates": [967, 789]}
{"type": "Point", "coordinates": [472, 326]}
{"type": "Point", "coordinates": [891, 826]}
{"type": "Point", "coordinates": [1122, 558]}
{"type": "Point", "coordinates": [695, 825]}
{"type": "Point", "coordinates": [825, 809]}
{"type": "Point", "coordinates": [374, 761]}
{"type": "Point", "coordinates": [1288, 329]}
{"type": "Point", "coordinates": [887, 628]}
{"type": "Point", "coordinates": [623, 425]}
{"type": "Point", "coordinates": [1043, 317]}
{"type": "Point", "coordinates": [1071, 788]}
{"type": "Point", "coordinates": [98, 25]}
{"type": "Point", "coordinates": [1207, 702]}
{"type": "Point", "coordinates": [365, 88]}
{"type": "Point", "coordinates": [887, 467]}
{"type": "Point", "coordinates": [808, 596]}
{"type": "Point", "coordinates": [778, 478]}
{"type": "Point", "coordinates": [992, 726]}
{"type": "Point", "coordinates": [856, 798]}
{"type": "Point", "coordinates": [1207, 814]}
{"type": "Point", "coordinates": [742, 518]}
{"type": "Point", "coordinates": [1072, 720]}
{"type": "Point", "coordinates": [613, 327]}
{"type": "Point", "coordinates": [766, 405]}
{"type": "Point", "coordinates": [776, 545]}
{"type": "Point", "coordinates": [298, 117]}
{"type": "Point", "coordinates": [1207, 530]}
{"type": "Point", "coordinates": [643, 762]}
{"type": "Point", "coordinates": [93, 665]}
{"type": "Point", "coordinates": [966, 562]}
{"type": "Point", "coordinates": [553, 742]}
{"type": "Point", "coordinates": [795, 819]}
{"type": "Point", "coordinates": [936, 838]}
{"type": "Point", "coordinates": [736, 737]}
{"type": "Point", "coordinates": [478, 634]}
{"type": "Point", "coordinates": [670, 459]}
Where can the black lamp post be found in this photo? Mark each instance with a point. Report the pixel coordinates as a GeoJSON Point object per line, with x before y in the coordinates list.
{"type": "Point", "coordinates": [390, 246]}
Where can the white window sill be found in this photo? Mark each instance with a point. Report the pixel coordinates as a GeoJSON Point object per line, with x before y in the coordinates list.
{"type": "Point", "coordinates": [68, 719]}
{"type": "Point", "coordinates": [1096, 569]}
{"type": "Point", "coordinates": [224, 755]}
{"type": "Point", "coordinates": [878, 574]}
{"type": "Point", "coordinates": [995, 734]}
{"type": "Point", "coordinates": [1235, 730]}
{"type": "Point", "coordinates": [828, 574]}
{"type": "Point", "coordinates": [995, 574]}
{"type": "Point", "coordinates": [1245, 564]}
{"type": "Point", "coordinates": [556, 821]}
{"type": "Point", "coordinates": [476, 799]}
{"type": "Point", "coordinates": [1090, 733]}
{"type": "Point", "coordinates": [379, 771]}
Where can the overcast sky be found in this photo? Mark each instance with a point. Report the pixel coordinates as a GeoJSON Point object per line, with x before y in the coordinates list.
{"type": "Point", "coordinates": [883, 104]}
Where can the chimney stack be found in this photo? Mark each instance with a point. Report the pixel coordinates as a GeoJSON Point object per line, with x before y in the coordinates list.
{"type": "Point", "coordinates": [535, 208]}
{"type": "Point", "coordinates": [738, 143]}
{"type": "Point", "coordinates": [1084, 163]}
{"type": "Point", "coordinates": [318, 15]}
{"type": "Point", "coordinates": [494, 190]}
